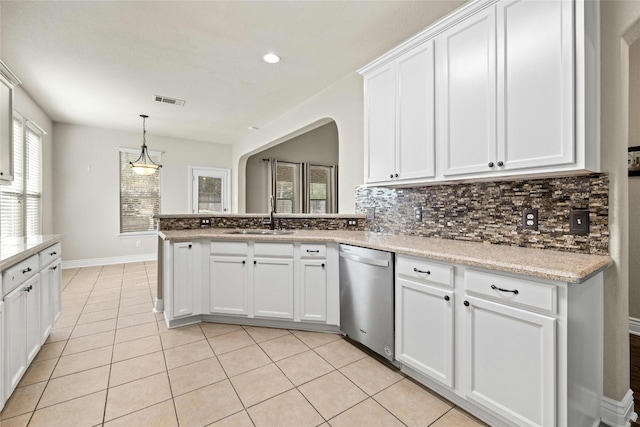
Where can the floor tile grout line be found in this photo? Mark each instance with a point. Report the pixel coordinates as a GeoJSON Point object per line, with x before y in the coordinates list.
{"type": "Point", "coordinates": [113, 348]}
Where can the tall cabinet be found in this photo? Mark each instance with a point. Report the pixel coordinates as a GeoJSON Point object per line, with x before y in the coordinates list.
{"type": "Point", "coordinates": [8, 81]}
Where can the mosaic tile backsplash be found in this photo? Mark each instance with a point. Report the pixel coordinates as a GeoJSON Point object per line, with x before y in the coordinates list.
{"type": "Point", "coordinates": [492, 212]}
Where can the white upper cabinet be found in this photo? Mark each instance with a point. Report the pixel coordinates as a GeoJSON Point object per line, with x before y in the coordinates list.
{"type": "Point", "coordinates": [6, 131]}
{"type": "Point", "coordinates": [399, 110]}
{"type": "Point", "coordinates": [535, 84]}
{"type": "Point", "coordinates": [466, 92]}
{"type": "Point", "coordinates": [515, 92]}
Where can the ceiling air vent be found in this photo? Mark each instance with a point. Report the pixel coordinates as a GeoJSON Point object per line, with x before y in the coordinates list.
{"type": "Point", "coordinates": [167, 100]}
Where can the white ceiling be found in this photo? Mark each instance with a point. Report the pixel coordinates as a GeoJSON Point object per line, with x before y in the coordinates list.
{"type": "Point", "coordinates": [99, 63]}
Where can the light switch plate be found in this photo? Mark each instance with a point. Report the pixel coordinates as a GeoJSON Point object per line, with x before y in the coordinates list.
{"type": "Point", "coordinates": [371, 213]}
{"type": "Point", "coordinates": [579, 221]}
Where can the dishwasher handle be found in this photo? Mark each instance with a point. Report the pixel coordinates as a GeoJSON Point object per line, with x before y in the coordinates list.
{"type": "Point", "coordinates": [366, 260]}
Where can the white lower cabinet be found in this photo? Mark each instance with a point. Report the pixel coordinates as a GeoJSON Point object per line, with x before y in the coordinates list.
{"type": "Point", "coordinates": [510, 361]}
{"type": "Point", "coordinates": [510, 349]}
{"type": "Point", "coordinates": [273, 287]}
{"type": "Point", "coordinates": [424, 329]}
{"type": "Point", "coordinates": [22, 326]}
{"type": "Point", "coordinates": [313, 290]}
{"type": "Point", "coordinates": [29, 308]}
{"type": "Point", "coordinates": [260, 281]}
{"type": "Point", "coordinates": [50, 290]}
{"type": "Point", "coordinates": [228, 285]}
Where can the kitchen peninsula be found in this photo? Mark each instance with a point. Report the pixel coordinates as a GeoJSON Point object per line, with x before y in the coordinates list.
{"type": "Point", "coordinates": [547, 303]}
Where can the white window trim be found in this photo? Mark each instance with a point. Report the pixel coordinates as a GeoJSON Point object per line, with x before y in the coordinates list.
{"type": "Point", "coordinates": [135, 234]}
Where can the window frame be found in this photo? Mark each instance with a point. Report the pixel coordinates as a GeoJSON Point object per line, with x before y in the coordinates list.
{"type": "Point", "coordinates": [145, 233]}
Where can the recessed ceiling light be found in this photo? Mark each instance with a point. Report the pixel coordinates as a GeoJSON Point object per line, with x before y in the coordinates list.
{"type": "Point", "coordinates": [271, 58]}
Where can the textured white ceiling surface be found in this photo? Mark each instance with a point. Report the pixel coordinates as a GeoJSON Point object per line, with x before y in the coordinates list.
{"type": "Point", "coordinates": [99, 63]}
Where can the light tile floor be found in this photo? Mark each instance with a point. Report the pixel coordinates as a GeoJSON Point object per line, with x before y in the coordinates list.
{"type": "Point", "coordinates": [111, 362]}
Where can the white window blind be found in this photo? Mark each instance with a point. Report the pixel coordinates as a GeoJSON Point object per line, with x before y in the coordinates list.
{"type": "Point", "coordinates": [139, 194]}
{"type": "Point", "coordinates": [33, 182]}
{"type": "Point", "coordinates": [20, 202]}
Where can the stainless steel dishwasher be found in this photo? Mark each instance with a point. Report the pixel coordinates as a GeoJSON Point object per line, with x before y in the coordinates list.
{"type": "Point", "coordinates": [366, 298]}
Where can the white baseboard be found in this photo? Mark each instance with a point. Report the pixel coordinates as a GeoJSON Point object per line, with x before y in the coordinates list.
{"type": "Point", "coordinates": [93, 262]}
{"type": "Point", "coordinates": [618, 413]}
{"type": "Point", "coordinates": [634, 326]}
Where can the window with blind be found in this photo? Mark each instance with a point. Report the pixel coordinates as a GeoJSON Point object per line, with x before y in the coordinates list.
{"type": "Point", "coordinates": [21, 202]}
{"type": "Point", "coordinates": [139, 194]}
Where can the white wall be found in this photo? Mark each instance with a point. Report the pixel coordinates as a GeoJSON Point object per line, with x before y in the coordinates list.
{"type": "Point", "coordinates": [86, 192]}
{"type": "Point", "coordinates": [318, 146]}
{"type": "Point", "coordinates": [617, 19]}
{"type": "Point", "coordinates": [28, 108]}
{"type": "Point", "coordinates": [634, 182]}
{"type": "Point", "coordinates": [343, 103]}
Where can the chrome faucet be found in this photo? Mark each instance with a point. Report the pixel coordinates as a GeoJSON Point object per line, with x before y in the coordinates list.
{"type": "Point", "coordinates": [271, 223]}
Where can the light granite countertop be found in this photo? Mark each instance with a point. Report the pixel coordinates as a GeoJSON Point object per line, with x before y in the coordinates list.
{"type": "Point", "coordinates": [541, 263]}
{"type": "Point", "coordinates": [16, 249]}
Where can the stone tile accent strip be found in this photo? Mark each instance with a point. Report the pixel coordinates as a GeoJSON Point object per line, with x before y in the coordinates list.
{"type": "Point", "coordinates": [492, 212]}
{"type": "Point", "coordinates": [283, 221]}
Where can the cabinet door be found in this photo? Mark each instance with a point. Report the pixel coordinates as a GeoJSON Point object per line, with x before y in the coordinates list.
{"type": "Point", "coordinates": [2, 355]}
{"type": "Point", "coordinates": [15, 305]}
{"type": "Point", "coordinates": [56, 289]}
{"type": "Point", "coordinates": [34, 338]}
{"type": "Point", "coordinates": [273, 288]}
{"type": "Point", "coordinates": [380, 130]}
{"type": "Point", "coordinates": [424, 329]}
{"type": "Point", "coordinates": [228, 290]}
{"type": "Point", "coordinates": [46, 302]}
{"type": "Point", "coordinates": [313, 290]}
{"type": "Point", "coordinates": [466, 98]}
{"type": "Point", "coordinates": [535, 83]}
{"type": "Point", "coordinates": [510, 362]}
{"type": "Point", "coordinates": [6, 131]}
{"type": "Point", "coordinates": [416, 115]}
{"type": "Point", "coordinates": [183, 280]}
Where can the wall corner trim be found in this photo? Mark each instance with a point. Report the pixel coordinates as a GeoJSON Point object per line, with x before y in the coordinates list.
{"type": "Point", "coordinates": [94, 262]}
{"type": "Point", "coordinates": [634, 326]}
{"type": "Point", "coordinates": [618, 413]}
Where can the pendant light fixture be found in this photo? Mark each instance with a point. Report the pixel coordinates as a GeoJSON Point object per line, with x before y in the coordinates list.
{"type": "Point", "coordinates": [144, 165]}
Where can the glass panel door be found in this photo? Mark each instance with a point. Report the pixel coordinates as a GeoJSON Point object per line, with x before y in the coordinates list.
{"type": "Point", "coordinates": [210, 188]}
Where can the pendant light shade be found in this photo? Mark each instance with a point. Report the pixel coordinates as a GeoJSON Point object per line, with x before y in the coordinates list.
{"type": "Point", "coordinates": [144, 165]}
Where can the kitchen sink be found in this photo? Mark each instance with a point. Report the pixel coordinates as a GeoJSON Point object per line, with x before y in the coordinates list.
{"type": "Point", "coordinates": [260, 232]}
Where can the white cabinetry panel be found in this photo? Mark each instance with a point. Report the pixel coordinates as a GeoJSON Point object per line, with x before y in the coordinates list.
{"type": "Point", "coordinates": [466, 98]}
{"type": "Point", "coordinates": [424, 329]}
{"type": "Point", "coordinates": [511, 362]}
{"type": "Point", "coordinates": [228, 285]}
{"type": "Point", "coordinates": [535, 89]}
{"type": "Point", "coordinates": [185, 295]}
{"type": "Point", "coordinates": [273, 287]}
{"type": "Point", "coordinates": [313, 290]}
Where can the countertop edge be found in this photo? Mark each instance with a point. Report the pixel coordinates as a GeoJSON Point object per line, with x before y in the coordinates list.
{"type": "Point", "coordinates": [589, 265]}
{"type": "Point", "coordinates": [29, 249]}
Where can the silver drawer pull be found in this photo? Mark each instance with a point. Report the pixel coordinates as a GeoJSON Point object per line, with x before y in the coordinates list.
{"type": "Point", "coordinates": [26, 270]}
{"type": "Point", "coordinates": [421, 271]}
{"type": "Point", "coordinates": [515, 291]}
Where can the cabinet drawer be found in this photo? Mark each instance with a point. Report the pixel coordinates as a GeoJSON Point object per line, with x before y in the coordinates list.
{"type": "Point", "coordinates": [230, 248]}
{"type": "Point", "coordinates": [512, 290]}
{"type": "Point", "coordinates": [273, 249]}
{"type": "Point", "coordinates": [14, 276]}
{"type": "Point", "coordinates": [422, 270]}
{"type": "Point", "coordinates": [50, 254]}
{"type": "Point", "coordinates": [313, 250]}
